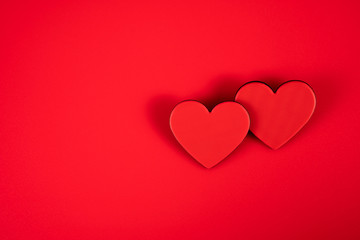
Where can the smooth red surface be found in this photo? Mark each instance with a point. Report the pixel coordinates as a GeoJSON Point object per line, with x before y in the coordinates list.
{"type": "Point", "coordinates": [276, 116]}
{"type": "Point", "coordinates": [209, 136]}
{"type": "Point", "coordinates": [87, 88]}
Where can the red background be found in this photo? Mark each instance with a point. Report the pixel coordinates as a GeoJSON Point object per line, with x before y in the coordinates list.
{"type": "Point", "coordinates": [86, 89]}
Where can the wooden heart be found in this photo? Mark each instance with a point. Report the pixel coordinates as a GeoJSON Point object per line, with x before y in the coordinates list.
{"type": "Point", "coordinates": [209, 137]}
{"type": "Point", "coordinates": [277, 116]}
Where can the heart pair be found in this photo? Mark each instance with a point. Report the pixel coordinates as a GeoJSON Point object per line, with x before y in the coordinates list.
{"type": "Point", "coordinates": [275, 118]}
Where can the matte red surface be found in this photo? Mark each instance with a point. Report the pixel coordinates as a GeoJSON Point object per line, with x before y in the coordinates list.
{"type": "Point", "coordinates": [87, 88]}
{"type": "Point", "coordinates": [209, 136]}
{"type": "Point", "coordinates": [277, 114]}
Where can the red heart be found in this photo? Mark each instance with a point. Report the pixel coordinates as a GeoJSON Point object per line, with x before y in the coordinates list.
{"type": "Point", "coordinates": [209, 136]}
{"type": "Point", "coordinates": [277, 116]}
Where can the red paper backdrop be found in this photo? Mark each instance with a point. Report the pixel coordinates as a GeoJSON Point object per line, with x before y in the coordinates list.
{"type": "Point", "coordinates": [86, 89]}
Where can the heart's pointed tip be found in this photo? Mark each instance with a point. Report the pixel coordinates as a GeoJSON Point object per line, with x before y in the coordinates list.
{"type": "Point", "coordinates": [275, 147]}
{"type": "Point", "coordinates": [208, 166]}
